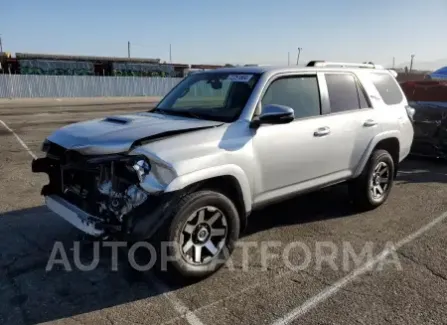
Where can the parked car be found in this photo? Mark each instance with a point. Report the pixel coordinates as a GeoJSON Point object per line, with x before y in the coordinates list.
{"type": "Point", "coordinates": [428, 98]}
{"type": "Point", "coordinates": [223, 143]}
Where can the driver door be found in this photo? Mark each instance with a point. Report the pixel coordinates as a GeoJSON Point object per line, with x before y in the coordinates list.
{"type": "Point", "coordinates": [297, 152]}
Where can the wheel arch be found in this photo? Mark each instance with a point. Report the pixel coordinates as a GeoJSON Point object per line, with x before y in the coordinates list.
{"type": "Point", "coordinates": [388, 141]}
{"type": "Point", "coordinates": [229, 180]}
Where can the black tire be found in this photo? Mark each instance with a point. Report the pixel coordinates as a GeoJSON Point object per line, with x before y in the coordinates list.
{"type": "Point", "coordinates": [360, 188]}
{"type": "Point", "coordinates": [173, 230]}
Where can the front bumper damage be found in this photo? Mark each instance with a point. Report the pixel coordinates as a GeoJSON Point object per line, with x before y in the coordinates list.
{"type": "Point", "coordinates": [139, 224]}
{"type": "Point", "coordinates": [78, 218]}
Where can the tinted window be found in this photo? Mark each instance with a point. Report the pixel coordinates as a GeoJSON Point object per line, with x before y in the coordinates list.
{"type": "Point", "coordinates": [387, 88]}
{"type": "Point", "coordinates": [344, 93]}
{"type": "Point", "coordinates": [300, 93]}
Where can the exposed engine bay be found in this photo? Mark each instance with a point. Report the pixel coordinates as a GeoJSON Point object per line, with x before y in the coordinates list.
{"type": "Point", "coordinates": [106, 187]}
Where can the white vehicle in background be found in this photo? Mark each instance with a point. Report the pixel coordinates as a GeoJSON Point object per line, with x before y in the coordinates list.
{"type": "Point", "coordinates": [223, 143]}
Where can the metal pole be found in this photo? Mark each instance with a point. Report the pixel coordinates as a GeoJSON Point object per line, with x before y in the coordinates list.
{"type": "Point", "coordinates": [288, 58]}
{"type": "Point", "coordinates": [394, 62]}
{"type": "Point", "coordinates": [298, 57]}
{"type": "Point", "coordinates": [1, 45]}
{"type": "Point", "coordinates": [411, 63]}
{"type": "Point", "coordinates": [128, 49]}
{"type": "Point", "coordinates": [170, 53]}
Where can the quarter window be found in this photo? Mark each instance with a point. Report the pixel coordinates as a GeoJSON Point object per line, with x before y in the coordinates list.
{"type": "Point", "coordinates": [345, 93]}
{"type": "Point", "coordinates": [387, 88]}
{"type": "Point", "coordinates": [301, 93]}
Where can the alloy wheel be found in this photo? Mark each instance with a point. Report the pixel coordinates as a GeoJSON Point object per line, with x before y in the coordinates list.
{"type": "Point", "coordinates": [203, 235]}
{"type": "Point", "coordinates": [380, 180]}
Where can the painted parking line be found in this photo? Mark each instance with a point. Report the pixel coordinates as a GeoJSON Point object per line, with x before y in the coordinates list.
{"type": "Point", "coordinates": [340, 284]}
{"type": "Point", "coordinates": [23, 144]}
{"type": "Point", "coordinates": [176, 303]}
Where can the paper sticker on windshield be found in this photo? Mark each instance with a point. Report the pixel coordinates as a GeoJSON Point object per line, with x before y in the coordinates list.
{"type": "Point", "coordinates": [240, 77]}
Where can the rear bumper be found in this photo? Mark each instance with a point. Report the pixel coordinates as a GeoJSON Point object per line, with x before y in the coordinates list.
{"type": "Point", "coordinates": [77, 217]}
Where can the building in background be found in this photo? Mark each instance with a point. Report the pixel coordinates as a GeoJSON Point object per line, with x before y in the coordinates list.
{"type": "Point", "coordinates": [53, 64]}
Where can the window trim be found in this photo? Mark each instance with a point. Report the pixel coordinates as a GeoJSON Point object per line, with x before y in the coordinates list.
{"type": "Point", "coordinates": [278, 76]}
{"type": "Point", "coordinates": [359, 88]}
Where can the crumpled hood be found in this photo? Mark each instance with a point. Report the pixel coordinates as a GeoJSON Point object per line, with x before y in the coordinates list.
{"type": "Point", "coordinates": [116, 134]}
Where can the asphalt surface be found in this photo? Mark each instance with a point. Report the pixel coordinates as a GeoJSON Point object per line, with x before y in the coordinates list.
{"type": "Point", "coordinates": [411, 288]}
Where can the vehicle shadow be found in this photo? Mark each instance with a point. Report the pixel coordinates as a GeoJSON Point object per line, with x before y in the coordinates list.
{"type": "Point", "coordinates": [44, 291]}
{"type": "Point", "coordinates": [330, 203]}
{"type": "Point", "coordinates": [29, 237]}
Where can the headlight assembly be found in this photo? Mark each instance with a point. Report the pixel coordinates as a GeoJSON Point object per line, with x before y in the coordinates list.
{"type": "Point", "coordinates": [142, 168]}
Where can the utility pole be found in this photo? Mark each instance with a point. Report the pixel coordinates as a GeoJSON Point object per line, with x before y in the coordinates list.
{"type": "Point", "coordinates": [1, 45]}
{"type": "Point", "coordinates": [298, 57]}
{"type": "Point", "coordinates": [128, 49]}
{"type": "Point", "coordinates": [288, 58]}
{"type": "Point", "coordinates": [411, 63]}
{"type": "Point", "coordinates": [170, 53]}
{"type": "Point", "coordinates": [394, 62]}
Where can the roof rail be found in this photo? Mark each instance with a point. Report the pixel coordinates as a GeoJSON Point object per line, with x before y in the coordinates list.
{"type": "Point", "coordinates": [343, 64]}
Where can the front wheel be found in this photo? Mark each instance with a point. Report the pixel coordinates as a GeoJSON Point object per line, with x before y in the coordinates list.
{"type": "Point", "coordinates": [372, 187]}
{"type": "Point", "coordinates": [203, 231]}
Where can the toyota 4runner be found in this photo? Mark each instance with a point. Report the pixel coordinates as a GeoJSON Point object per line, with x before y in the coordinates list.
{"type": "Point", "coordinates": [223, 143]}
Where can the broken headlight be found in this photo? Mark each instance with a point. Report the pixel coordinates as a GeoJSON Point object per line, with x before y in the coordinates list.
{"type": "Point", "coordinates": [141, 167]}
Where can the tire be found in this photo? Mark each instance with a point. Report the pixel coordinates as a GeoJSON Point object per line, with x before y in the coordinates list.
{"type": "Point", "coordinates": [360, 189]}
{"type": "Point", "coordinates": [178, 231]}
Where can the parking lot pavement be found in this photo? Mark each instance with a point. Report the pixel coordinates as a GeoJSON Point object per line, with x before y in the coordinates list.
{"type": "Point", "coordinates": [411, 288]}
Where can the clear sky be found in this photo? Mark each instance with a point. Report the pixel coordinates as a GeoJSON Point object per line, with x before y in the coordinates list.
{"type": "Point", "coordinates": [230, 31]}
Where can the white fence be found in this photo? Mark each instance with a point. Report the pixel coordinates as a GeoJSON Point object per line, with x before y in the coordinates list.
{"type": "Point", "coordinates": [37, 86]}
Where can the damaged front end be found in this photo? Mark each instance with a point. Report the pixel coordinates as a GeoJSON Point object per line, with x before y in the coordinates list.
{"type": "Point", "coordinates": [107, 195]}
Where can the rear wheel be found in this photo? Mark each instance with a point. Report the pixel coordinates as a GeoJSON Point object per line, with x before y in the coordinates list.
{"type": "Point", "coordinates": [372, 187]}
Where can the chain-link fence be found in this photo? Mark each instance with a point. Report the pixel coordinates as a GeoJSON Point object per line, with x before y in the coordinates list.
{"type": "Point", "coordinates": [35, 86]}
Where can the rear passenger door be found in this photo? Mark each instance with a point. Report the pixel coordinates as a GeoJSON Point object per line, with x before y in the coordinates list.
{"type": "Point", "coordinates": [353, 121]}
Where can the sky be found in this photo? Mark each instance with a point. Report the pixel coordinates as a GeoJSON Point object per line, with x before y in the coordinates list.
{"type": "Point", "coordinates": [231, 31]}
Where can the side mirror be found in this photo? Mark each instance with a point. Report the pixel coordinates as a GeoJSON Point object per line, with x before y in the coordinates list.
{"type": "Point", "coordinates": [274, 114]}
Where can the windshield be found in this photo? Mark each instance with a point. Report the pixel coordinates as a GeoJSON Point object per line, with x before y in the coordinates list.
{"type": "Point", "coordinates": [219, 96]}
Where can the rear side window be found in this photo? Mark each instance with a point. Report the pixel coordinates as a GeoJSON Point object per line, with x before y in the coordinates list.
{"type": "Point", "coordinates": [345, 93]}
{"type": "Point", "coordinates": [387, 88]}
{"type": "Point", "coordinates": [298, 92]}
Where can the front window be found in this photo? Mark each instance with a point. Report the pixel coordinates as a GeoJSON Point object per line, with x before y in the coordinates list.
{"type": "Point", "coordinates": [219, 96]}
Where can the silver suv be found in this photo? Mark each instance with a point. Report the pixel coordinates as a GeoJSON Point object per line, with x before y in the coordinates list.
{"type": "Point", "coordinates": [223, 143]}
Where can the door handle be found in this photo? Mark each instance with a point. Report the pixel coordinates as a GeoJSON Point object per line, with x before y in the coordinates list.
{"type": "Point", "coordinates": [320, 132]}
{"type": "Point", "coordinates": [370, 122]}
